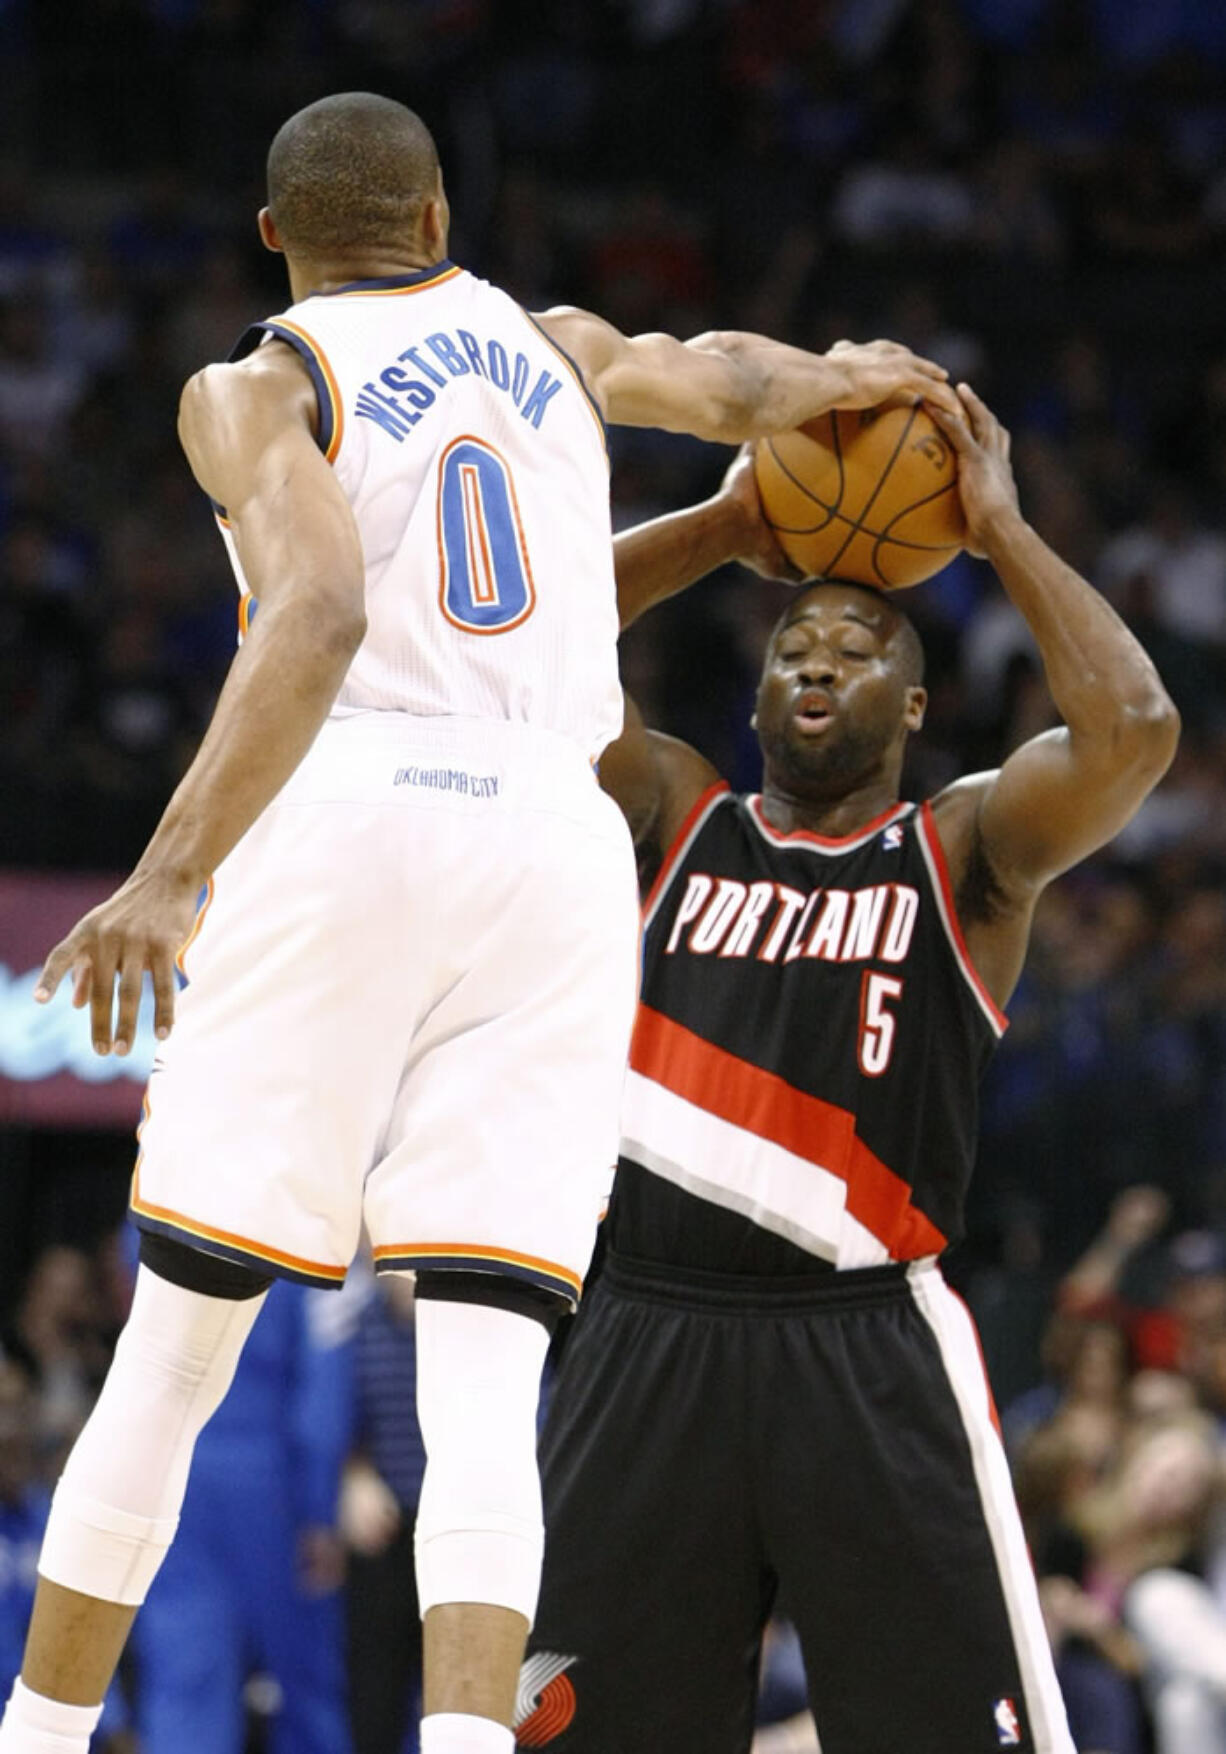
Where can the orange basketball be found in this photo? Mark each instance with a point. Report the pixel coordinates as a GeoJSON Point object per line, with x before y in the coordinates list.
{"type": "Point", "coordinates": [868, 494]}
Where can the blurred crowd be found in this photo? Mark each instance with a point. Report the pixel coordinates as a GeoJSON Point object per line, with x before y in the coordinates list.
{"type": "Point", "coordinates": [1031, 191]}
{"type": "Point", "coordinates": [1118, 1460]}
{"type": "Point", "coordinates": [285, 1618]}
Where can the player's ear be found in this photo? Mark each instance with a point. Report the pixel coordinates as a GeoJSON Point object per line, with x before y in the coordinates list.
{"type": "Point", "coordinates": [913, 712]}
{"type": "Point", "coordinates": [269, 236]}
{"type": "Point", "coordinates": [435, 218]}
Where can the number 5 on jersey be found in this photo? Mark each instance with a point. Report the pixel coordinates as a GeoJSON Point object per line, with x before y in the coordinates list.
{"type": "Point", "coordinates": [486, 580]}
{"type": "Point", "coordinates": [877, 1022]}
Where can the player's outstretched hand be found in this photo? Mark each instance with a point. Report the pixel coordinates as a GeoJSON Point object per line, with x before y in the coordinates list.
{"type": "Point", "coordinates": [142, 926]}
{"type": "Point", "coordinates": [756, 546]}
{"type": "Point", "coordinates": [876, 371]}
{"type": "Point", "coordinates": [985, 477]}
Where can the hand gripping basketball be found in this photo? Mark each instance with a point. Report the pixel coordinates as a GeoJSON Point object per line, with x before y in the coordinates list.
{"type": "Point", "coordinates": [866, 494]}
{"type": "Point", "coordinates": [884, 371]}
{"type": "Point", "coordinates": [985, 478]}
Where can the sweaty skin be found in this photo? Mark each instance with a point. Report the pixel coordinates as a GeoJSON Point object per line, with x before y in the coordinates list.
{"type": "Point", "coordinates": [249, 433]}
{"type": "Point", "coordinates": [728, 386]}
{"type": "Point", "coordinates": [836, 704]}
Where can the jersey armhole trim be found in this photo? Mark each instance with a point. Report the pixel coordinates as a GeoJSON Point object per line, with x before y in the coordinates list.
{"type": "Point", "coordinates": [327, 391]}
{"type": "Point", "coordinates": [942, 888]}
{"type": "Point", "coordinates": [681, 843]}
{"type": "Point", "coordinates": [579, 378]}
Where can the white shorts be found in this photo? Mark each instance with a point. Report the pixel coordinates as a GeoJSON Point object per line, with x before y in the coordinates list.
{"type": "Point", "coordinates": [408, 1004]}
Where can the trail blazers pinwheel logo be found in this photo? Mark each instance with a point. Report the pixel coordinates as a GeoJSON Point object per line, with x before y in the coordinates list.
{"type": "Point", "coordinates": [545, 1702]}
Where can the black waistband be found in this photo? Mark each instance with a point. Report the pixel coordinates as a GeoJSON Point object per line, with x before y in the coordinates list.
{"type": "Point", "coordinates": [825, 1287]}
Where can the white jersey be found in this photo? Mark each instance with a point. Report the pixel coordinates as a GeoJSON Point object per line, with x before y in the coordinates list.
{"type": "Point", "coordinates": [475, 462]}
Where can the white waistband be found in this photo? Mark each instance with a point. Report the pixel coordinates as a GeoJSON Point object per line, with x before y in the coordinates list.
{"type": "Point", "coordinates": [385, 757]}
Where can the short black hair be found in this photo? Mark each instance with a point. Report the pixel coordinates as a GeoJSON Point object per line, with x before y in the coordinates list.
{"type": "Point", "coordinates": [349, 172]}
{"type": "Point", "coordinates": [900, 624]}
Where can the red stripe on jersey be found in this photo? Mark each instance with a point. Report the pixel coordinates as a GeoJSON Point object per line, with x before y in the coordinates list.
{"type": "Point", "coordinates": [839, 843]}
{"type": "Point", "coordinates": [677, 846]}
{"type": "Point", "coordinates": [763, 1103]}
{"type": "Point", "coordinates": [932, 839]}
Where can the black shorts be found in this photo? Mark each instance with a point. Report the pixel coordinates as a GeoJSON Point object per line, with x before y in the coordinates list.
{"type": "Point", "coordinates": [717, 1448]}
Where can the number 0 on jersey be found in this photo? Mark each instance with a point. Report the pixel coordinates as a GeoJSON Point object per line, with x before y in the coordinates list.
{"type": "Point", "coordinates": [486, 583]}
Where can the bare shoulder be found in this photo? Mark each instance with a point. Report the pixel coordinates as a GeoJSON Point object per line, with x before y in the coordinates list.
{"type": "Point", "coordinates": [593, 344]}
{"type": "Point", "coordinates": [981, 888]}
{"type": "Point", "coordinates": [230, 414]}
{"type": "Point", "coordinates": [675, 780]}
{"type": "Point", "coordinates": [955, 813]}
{"type": "Point", "coordinates": [993, 912]}
{"type": "Point", "coordinates": [273, 377]}
{"type": "Point", "coordinates": [582, 333]}
{"type": "Point", "coordinates": [655, 780]}
{"type": "Point", "coordinates": [684, 776]}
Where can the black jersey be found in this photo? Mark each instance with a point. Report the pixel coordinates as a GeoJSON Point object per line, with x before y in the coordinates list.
{"type": "Point", "coordinates": [803, 1082]}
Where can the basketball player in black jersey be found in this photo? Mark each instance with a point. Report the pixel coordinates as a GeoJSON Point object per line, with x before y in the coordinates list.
{"type": "Point", "coordinates": [770, 1395]}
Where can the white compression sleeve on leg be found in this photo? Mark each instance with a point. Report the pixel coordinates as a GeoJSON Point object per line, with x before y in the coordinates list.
{"type": "Point", "coordinates": [452, 1733]}
{"type": "Point", "coordinates": [36, 1725]}
{"type": "Point", "coordinates": [480, 1535]}
{"type": "Point", "coordinates": [117, 1505]}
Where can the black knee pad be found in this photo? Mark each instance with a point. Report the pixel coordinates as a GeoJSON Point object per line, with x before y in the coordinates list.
{"type": "Point", "coordinates": [195, 1270]}
{"type": "Point", "coordinates": [496, 1290]}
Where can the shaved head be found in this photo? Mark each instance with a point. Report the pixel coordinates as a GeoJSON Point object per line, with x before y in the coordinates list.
{"type": "Point", "coordinates": [881, 611]}
{"type": "Point", "coordinates": [349, 173]}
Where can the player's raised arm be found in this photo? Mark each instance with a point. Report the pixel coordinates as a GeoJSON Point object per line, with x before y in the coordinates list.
{"type": "Point", "coordinates": [1067, 792]}
{"type": "Point", "coordinates": [729, 386]}
{"type": "Point", "coordinates": [656, 560]}
{"type": "Point", "coordinates": [656, 779]}
{"type": "Point", "coordinates": [248, 436]}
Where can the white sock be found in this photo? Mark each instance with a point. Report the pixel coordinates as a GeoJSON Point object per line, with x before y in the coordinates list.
{"type": "Point", "coordinates": [453, 1732]}
{"type": "Point", "coordinates": [34, 1725]}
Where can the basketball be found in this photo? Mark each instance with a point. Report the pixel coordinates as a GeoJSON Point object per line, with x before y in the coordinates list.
{"type": "Point", "coordinates": [869, 494]}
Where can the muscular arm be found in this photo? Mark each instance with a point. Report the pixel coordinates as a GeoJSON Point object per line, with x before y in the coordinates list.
{"type": "Point", "coordinates": [658, 559]}
{"type": "Point", "coordinates": [1067, 792]}
{"type": "Point", "coordinates": [656, 779]}
{"type": "Point", "coordinates": [247, 432]}
{"type": "Point", "coordinates": [731, 386]}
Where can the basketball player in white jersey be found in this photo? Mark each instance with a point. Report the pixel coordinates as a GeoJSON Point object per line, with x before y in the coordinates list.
{"type": "Point", "coordinates": [411, 979]}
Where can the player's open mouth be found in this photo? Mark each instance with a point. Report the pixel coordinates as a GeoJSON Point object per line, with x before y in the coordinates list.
{"type": "Point", "coordinates": [812, 713]}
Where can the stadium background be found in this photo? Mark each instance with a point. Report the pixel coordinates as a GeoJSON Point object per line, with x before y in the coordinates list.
{"type": "Point", "coordinates": [1031, 191]}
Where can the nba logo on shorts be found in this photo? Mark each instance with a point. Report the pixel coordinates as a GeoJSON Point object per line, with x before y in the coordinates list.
{"type": "Point", "coordinates": [1008, 1728]}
